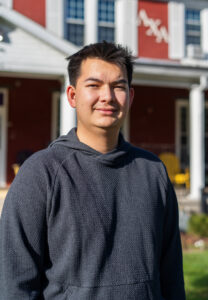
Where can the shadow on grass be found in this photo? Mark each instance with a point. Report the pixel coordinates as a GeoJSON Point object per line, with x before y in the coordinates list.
{"type": "Point", "coordinates": [200, 288]}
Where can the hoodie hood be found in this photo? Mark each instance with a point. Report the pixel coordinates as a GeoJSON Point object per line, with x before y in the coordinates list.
{"type": "Point", "coordinates": [71, 141]}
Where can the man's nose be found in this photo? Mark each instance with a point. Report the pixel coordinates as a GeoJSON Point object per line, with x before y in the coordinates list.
{"type": "Point", "coordinates": [107, 94]}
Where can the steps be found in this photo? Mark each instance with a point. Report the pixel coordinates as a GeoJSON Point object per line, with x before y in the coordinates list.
{"type": "Point", "coordinates": [185, 204]}
{"type": "Point", "coordinates": [3, 192]}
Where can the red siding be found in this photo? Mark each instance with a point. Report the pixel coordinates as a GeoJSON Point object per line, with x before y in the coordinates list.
{"type": "Point", "coordinates": [152, 122]}
{"type": "Point", "coordinates": [29, 116]}
{"type": "Point", "coordinates": [148, 45]}
{"type": "Point", "coordinates": [33, 9]}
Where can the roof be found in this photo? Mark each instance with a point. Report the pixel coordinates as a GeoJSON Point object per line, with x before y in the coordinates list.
{"type": "Point", "coordinates": [37, 31]}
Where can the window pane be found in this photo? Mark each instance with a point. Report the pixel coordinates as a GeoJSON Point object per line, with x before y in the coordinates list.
{"type": "Point", "coordinates": [184, 157]}
{"type": "Point", "coordinates": [183, 119]}
{"type": "Point", "coordinates": [193, 40]}
{"type": "Point", "coordinates": [206, 121]}
{"type": "Point", "coordinates": [192, 16]}
{"type": "Point", "coordinates": [106, 10]}
{"type": "Point", "coordinates": [1, 99]}
{"type": "Point", "coordinates": [105, 34]}
{"type": "Point", "coordinates": [184, 137]}
{"type": "Point", "coordinates": [193, 27]}
{"type": "Point", "coordinates": [75, 9]}
{"type": "Point", "coordinates": [75, 34]}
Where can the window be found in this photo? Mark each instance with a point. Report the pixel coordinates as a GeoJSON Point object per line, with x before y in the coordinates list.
{"type": "Point", "coordinates": [74, 30]}
{"type": "Point", "coordinates": [1, 99]}
{"type": "Point", "coordinates": [106, 20]}
{"type": "Point", "coordinates": [183, 133]}
{"type": "Point", "coordinates": [193, 27]}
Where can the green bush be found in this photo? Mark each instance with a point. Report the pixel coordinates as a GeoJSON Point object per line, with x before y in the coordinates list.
{"type": "Point", "coordinates": [198, 224]}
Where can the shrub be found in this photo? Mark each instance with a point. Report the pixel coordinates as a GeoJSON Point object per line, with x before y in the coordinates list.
{"type": "Point", "coordinates": [198, 224]}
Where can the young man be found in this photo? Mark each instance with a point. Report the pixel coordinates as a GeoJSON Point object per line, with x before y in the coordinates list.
{"type": "Point", "coordinates": [92, 217]}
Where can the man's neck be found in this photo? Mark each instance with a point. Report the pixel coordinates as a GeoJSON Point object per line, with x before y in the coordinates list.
{"type": "Point", "coordinates": [101, 140]}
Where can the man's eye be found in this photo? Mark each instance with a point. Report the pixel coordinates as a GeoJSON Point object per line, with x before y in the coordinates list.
{"type": "Point", "coordinates": [93, 85]}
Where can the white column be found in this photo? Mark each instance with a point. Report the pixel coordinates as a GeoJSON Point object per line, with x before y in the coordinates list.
{"type": "Point", "coordinates": [197, 142]}
{"type": "Point", "coordinates": [176, 21]}
{"type": "Point", "coordinates": [126, 29]}
{"type": "Point", "coordinates": [91, 21]}
{"type": "Point", "coordinates": [67, 113]}
{"type": "Point", "coordinates": [204, 30]}
{"type": "Point", "coordinates": [55, 17]}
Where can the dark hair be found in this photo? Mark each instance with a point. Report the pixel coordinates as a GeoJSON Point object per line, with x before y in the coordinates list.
{"type": "Point", "coordinates": [106, 51]}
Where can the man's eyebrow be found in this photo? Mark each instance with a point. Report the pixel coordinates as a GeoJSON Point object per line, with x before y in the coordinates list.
{"type": "Point", "coordinates": [93, 79]}
{"type": "Point", "coordinates": [119, 81]}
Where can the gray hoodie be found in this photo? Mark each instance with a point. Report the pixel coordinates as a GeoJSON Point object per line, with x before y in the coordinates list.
{"type": "Point", "coordinates": [81, 225]}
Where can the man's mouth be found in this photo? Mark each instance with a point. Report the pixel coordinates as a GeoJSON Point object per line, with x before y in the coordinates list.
{"type": "Point", "coordinates": [106, 110]}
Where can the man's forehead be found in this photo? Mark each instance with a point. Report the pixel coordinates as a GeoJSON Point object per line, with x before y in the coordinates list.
{"type": "Point", "coordinates": [92, 61]}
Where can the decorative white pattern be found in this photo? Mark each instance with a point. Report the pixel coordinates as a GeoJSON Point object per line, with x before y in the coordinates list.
{"type": "Point", "coordinates": [154, 27]}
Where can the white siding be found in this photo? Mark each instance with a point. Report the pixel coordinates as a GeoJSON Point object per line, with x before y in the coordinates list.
{"type": "Point", "coordinates": [126, 32]}
{"type": "Point", "coordinates": [26, 53]}
{"type": "Point", "coordinates": [55, 17]}
{"type": "Point", "coordinates": [176, 25]}
{"type": "Point", "coordinates": [204, 30]}
{"type": "Point", "coordinates": [91, 21]}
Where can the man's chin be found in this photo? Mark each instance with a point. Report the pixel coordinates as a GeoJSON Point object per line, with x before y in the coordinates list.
{"type": "Point", "coordinates": [109, 126]}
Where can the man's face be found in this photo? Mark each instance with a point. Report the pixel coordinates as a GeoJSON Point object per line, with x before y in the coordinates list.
{"type": "Point", "coordinates": [102, 96]}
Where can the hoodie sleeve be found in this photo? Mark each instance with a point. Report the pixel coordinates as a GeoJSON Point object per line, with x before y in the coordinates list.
{"type": "Point", "coordinates": [23, 236]}
{"type": "Point", "coordinates": [171, 269]}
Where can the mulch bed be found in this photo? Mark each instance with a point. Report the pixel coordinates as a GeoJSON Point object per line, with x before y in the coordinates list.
{"type": "Point", "coordinates": [191, 241]}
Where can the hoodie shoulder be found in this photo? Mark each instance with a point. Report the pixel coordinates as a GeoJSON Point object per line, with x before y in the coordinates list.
{"type": "Point", "coordinates": [49, 159]}
{"type": "Point", "coordinates": [151, 162]}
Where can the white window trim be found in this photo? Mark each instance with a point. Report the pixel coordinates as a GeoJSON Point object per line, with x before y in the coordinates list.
{"type": "Point", "coordinates": [204, 30]}
{"type": "Point", "coordinates": [55, 17]}
{"type": "Point", "coordinates": [74, 21]}
{"type": "Point", "coordinates": [4, 138]}
{"type": "Point", "coordinates": [193, 4]}
{"type": "Point", "coordinates": [106, 24]}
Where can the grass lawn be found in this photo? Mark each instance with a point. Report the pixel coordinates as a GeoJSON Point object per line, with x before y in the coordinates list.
{"type": "Point", "coordinates": [196, 274]}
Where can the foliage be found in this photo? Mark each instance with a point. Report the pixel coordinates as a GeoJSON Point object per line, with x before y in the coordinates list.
{"type": "Point", "coordinates": [198, 224]}
{"type": "Point", "coordinates": [196, 275]}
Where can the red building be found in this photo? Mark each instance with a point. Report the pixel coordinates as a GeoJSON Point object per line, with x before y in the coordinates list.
{"type": "Point", "coordinates": [170, 41]}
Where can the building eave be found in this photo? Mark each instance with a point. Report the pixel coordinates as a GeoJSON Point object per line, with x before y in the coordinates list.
{"type": "Point", "coordinates": [37, 30]}
{"type": "Point", "coordinates": [181, 74]}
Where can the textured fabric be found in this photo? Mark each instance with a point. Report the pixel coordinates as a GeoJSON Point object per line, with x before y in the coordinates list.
{"type": "Point", "coordinates": [78, 224]}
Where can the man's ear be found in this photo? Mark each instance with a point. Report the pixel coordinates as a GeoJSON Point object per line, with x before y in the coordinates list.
{"type": "Point", "coordinates": [131, 96]}
{"type": "Point", "coordinates": [71, 95]}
